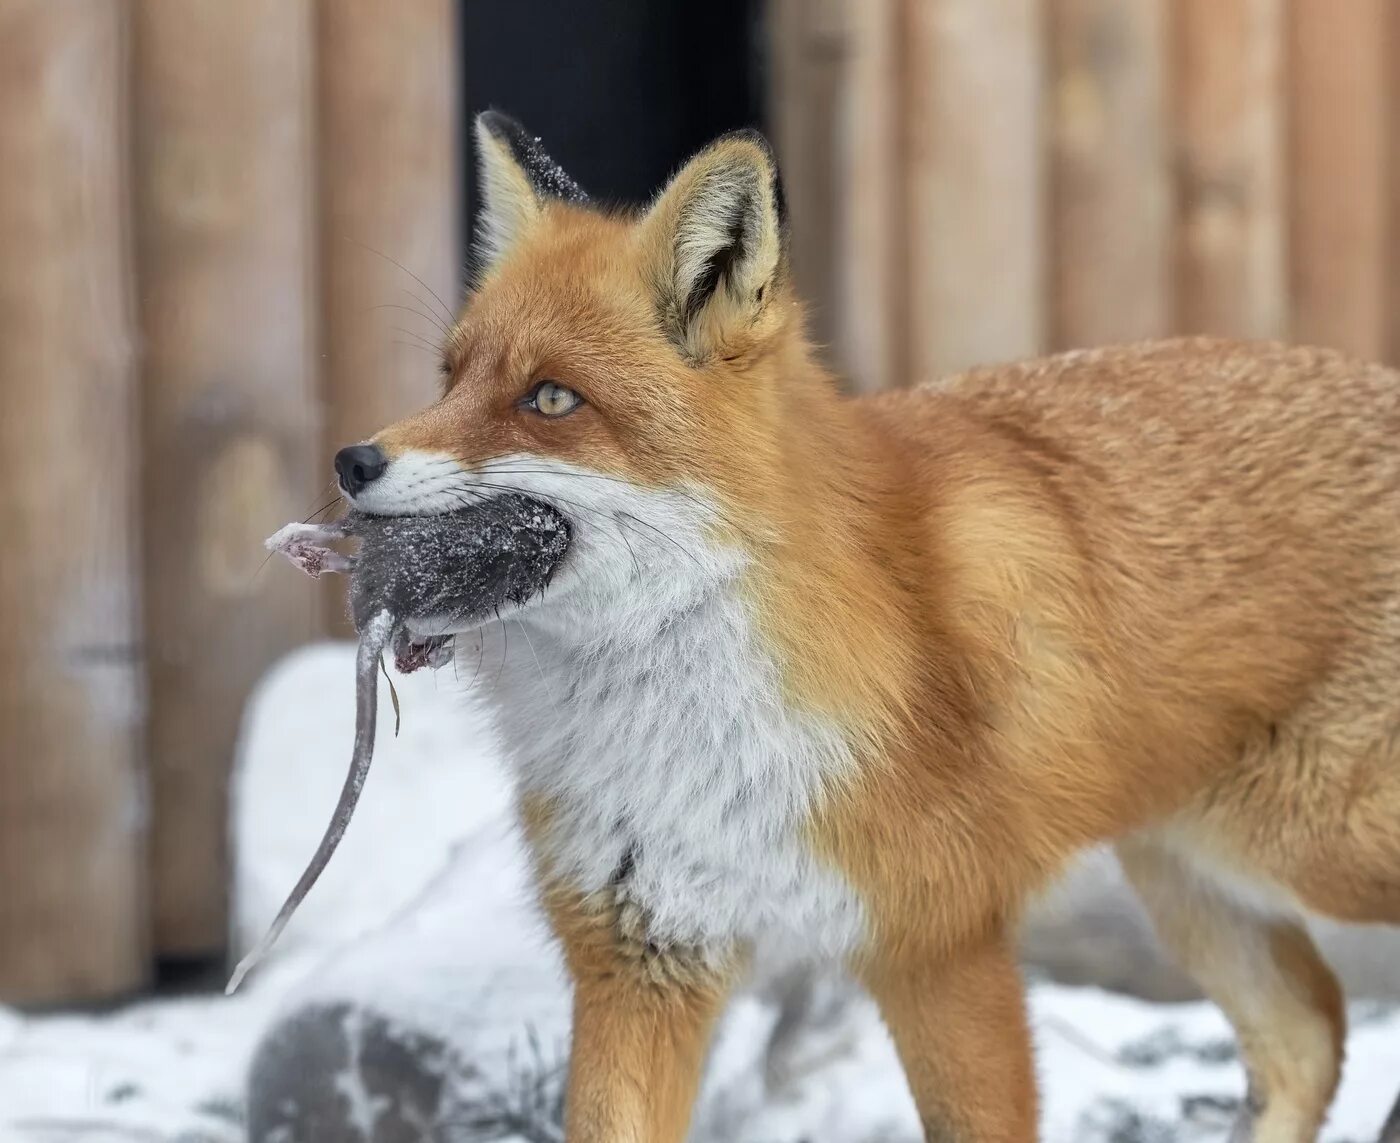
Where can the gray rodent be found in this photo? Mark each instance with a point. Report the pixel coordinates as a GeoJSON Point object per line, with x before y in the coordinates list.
{"type": "Point", "coordinates": [445, 571]}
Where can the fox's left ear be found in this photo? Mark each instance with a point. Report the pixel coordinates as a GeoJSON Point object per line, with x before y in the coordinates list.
{"type": "Point", "coordinates": [717, 245]}
{"type": "Point", "coordinates": [517, 179]}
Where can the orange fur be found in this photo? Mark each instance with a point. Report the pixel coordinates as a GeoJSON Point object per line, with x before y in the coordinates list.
{"type": "Point", "coordinates": [642, 1018]}
{"type": "Point", "coordinates": [960, 1028]}
{"type": "Point", "coordinates": [1151, 590]}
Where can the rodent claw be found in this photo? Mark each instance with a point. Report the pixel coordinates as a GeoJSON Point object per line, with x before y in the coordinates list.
{"type": "Point", "coordinates": [305, 546]}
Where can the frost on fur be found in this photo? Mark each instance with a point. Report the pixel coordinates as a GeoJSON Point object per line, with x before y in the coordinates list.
{"type": "Point", "coordinates": [517, 177]}
{"type": "Point", "coordinates": [447, 569]}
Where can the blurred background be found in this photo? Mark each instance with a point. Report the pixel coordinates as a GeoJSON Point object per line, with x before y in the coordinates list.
{"type": "Point", "coordinates": [230, 234]}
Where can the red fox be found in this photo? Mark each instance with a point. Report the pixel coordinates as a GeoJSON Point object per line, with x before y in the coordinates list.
{"type": "Point", "coordinates": [849, 680]}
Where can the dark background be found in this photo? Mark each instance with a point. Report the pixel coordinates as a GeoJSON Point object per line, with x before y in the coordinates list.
{"type": "Point", "coordinates": [621, 91]}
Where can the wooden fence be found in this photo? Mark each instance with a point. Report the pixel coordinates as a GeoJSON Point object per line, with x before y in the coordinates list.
{"type": "Point", "coordinates": [202, 205]}
{"type": "Point", "coordinates": [972, 180]}
{"type": "Point", "coordinates": [190, 191]}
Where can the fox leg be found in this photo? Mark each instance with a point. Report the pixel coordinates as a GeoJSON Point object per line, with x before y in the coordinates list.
{"type": "Point", "coordinates": [641, 1029]}
{"type": "Point", "coordinates": [1267, 976]}
{"type": "Point", "coordinates": [638, 1052]}
{"type": "Point", "coordinates": [960, 1029]}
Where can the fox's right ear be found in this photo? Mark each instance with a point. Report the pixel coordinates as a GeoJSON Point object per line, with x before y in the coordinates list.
{"type": "Point", "coordinates": [717, 247]}
{"type": "Point", "coordinates": [517, 178]}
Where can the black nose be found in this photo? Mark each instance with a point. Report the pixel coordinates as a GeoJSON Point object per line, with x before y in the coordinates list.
{"type": "Point", "coordinates": [357, 465]}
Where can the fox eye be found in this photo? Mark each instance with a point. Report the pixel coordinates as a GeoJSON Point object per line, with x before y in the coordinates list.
{"type": "Point", "coordinates": [550, 399]}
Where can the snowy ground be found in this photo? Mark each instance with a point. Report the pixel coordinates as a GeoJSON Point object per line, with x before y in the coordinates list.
{"type": "Point", "coordinates": [174, 1071]}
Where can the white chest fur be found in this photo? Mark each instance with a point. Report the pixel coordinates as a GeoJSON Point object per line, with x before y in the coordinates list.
{"type": "Point", "coordinates": [673, 759]}
{"type": "Point", "coordinates": [638, 699]}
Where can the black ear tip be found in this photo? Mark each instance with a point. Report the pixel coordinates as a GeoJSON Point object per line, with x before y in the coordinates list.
{"type": "Point", "coordinates": [500, 125]}
{"type": "Point", "coordinates": [545, 175]}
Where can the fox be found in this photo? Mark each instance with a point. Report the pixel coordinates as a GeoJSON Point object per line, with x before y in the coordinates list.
{"type": "Point", "coordinates": [848, 681]}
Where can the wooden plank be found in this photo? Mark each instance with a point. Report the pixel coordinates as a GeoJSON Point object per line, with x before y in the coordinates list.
{"type": "Point", "coordinates": [1337, 146]}
{"type": "Point", "coordinates": [803, 54]}
{"type": "Point", "coordinates": [222, 98]}
{"type": "Point", "coordinates": [973, 174]}
{"type": "Point", "coordinates": [389, 196]}
{"type": "Point", "coordinates": [72, 852]}
{"type": "Point", "coordinates": [1231, 223]}
{"type": "Point", "coordinates": [1111, 277]}
{"type": "Point", "coordinates": [865, 153]}
{"type": "Point", "coordinates": [836, 97]}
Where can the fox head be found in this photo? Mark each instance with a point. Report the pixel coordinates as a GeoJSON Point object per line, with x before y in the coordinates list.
{"type": "Point", "coordinates": [634, 370]}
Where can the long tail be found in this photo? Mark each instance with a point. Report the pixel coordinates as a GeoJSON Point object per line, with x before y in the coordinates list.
{"type": "Point", "coordinates": [373, 639]}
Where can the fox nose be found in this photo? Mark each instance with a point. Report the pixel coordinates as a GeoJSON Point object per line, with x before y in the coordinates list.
{"type": "Point", "coordinates": [358, 465]}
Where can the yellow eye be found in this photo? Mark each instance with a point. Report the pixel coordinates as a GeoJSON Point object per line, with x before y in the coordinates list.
{"type": "Point", "coordinates": [552, 400]}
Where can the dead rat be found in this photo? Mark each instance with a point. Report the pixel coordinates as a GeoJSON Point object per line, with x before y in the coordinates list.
{"type": "Point", "coordinates": [414, 580]}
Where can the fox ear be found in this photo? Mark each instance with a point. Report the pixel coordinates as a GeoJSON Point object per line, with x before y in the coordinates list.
{"type": "Point", "coordinates": [718, 245]}
{"type": "Point", "coordinates": [517, 178]}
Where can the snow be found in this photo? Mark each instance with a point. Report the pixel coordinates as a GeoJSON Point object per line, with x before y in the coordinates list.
{"type": "Point", "coordinates": [434, 784]}
{"type": "Point", "coordinates": [162, 1071]}
{"type": "Point", "coordinates": [424, 918]}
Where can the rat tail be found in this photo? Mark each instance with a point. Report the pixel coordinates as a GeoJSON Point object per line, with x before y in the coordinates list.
{"type": "Point", "coordinates": [374, 638]}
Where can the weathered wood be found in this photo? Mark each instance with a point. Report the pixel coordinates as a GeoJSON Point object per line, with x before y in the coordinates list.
{"type": "Point", "coordinates": [836, 97]}
{"type": "Point", "coordinates": [1110, 176]}
{"type": "Point", "coordinates": [972, 84]}
{"type": "Point", "coordinates": [869, 293]}
{"type": "Point", "coordinates": [804, 51]}
{"type": "Point", "coordinates": [72, 848]}
{"type": "Point", "coordinates": [1231, 220]}
{"type": "Point", "coordinates": [389, 196]}
{"type": "Point", "coordinates": [1337, 156]}
{"type": "Point", "coordinates": [222, 102]}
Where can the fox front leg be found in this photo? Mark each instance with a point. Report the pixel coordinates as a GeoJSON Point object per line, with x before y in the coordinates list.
{"type": "Point", "coordinates": [642, 1019]}
{"type": "Point", "coordinates": [638, 1051]}
{"type": "Point", "coordinates": [961, 1033]}
{"type": "Point", "coordinates": [306, 545]}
